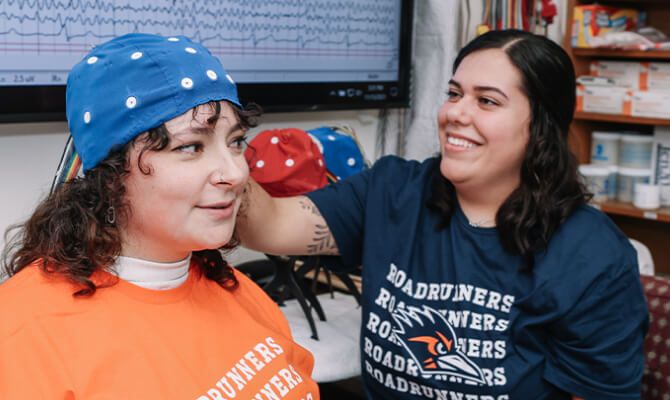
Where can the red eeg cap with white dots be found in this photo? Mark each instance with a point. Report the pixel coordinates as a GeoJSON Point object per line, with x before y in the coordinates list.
{"type": "Point", "coordinates": [286, 162]}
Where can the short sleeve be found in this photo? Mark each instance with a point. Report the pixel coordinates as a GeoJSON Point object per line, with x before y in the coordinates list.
{"type": "Point", "coordinates": [342, 205]}
{"type": "Point", "coordinates": [365, 206]}
{"type": "Point", "coordinates": [595, 351]}
{"type": "Point", "coordinates": [29, 371]}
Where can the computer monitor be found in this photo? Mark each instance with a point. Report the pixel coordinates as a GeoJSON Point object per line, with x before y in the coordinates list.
{"type": "Point", "coordinates": [286, 55]}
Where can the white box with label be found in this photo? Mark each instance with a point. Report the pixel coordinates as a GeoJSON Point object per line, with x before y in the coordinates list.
{"type": "Point", "coordinates": [652, 104]}
{"type": "Point", "coordinates": [623, 73]}
{"type": "Point", "coordinates": [601, 99]}
{"type": "Point", "coordinates": [658, 76]}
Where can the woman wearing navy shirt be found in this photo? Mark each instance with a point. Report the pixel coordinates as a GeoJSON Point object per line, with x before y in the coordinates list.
{"type": "Point", "coordinates": [485, 274]}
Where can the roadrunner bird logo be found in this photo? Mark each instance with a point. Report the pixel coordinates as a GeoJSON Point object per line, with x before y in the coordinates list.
{"type": "Point", "coordinates": [432, 343]}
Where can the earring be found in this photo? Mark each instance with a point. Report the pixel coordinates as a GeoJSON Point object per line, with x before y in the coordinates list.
{"type": "Point", "coordinates": [110, 215]}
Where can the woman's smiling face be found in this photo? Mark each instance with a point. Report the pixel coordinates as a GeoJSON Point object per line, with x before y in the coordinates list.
{"type": "Point", "coordinates": [483, 125]}
{"type": "Point", "coordinates": [190, 198]}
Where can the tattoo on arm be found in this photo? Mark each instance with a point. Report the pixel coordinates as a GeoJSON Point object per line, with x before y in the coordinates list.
{"type": "Point", "coordinates": [306, 204]}
{"type": "Point", "coordinates": [323, 241]}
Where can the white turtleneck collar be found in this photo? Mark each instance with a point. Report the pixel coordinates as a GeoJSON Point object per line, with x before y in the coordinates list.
{"type": "Point", "coordinates": [151, 274]}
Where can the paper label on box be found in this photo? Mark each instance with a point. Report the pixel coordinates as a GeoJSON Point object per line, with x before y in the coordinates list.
{"type": "Point", "coordinates": [623, 73]}
{"type": "Point", "coordinates": [603, 100]}
{"type": "Point", "coordinates": [650, 104]}
{"type": "Point", "coordinates": [659, 75]}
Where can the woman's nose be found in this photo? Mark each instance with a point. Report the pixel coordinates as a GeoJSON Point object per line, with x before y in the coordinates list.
{"type": "Point", "coordinates": [231, 170]}
{"type": "Point", "coordinates": [457, 112]}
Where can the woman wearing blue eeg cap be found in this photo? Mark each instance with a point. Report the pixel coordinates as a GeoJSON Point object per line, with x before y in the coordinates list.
{"type": "Point", "coordinates": [118, 286]}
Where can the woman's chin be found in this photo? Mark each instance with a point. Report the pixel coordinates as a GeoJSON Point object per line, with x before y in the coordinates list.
{"type": "Point", "coordinates": [213, 245]}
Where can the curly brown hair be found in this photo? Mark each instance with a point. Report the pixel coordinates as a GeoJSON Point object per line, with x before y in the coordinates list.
{"type": "Point", "coordinates": [71, 232]}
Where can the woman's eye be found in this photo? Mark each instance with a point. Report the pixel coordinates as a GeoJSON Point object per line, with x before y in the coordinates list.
{"type": "Point", "coordinates": [452, 94]}
{"type": "Point", "coordinates": [189, 148]}
{"type": "Point", "coordinates": [239, 143]}
{"type": "Point", "coordinates": [488, 102]}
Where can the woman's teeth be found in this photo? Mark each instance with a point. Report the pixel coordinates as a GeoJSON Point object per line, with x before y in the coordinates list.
{"type": "Point", "coordinates": [459, 142]}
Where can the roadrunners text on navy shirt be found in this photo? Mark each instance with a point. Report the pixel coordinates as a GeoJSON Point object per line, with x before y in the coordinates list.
{"type": "Point", "coordinates": [448, 314]}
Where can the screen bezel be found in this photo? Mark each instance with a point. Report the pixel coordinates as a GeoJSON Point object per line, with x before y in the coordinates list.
{"type": "Point", "coordinates": [47, 103]}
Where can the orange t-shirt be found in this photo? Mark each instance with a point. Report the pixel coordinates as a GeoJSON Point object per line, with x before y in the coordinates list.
{"type": "Point", "coordinates": [197, 341]}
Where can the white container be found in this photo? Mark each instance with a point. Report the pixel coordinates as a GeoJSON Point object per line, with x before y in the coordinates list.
{"type": "Point", "coordinates": [605, 148]}
{"type": "Point", "coordinates": [595, 180]}
{"type": "Point", "coordinates": [635, 151]}
{"type": "Point", "coordinates": [628, 178]}
{"type": "Point", "coordinates": [647, 196]}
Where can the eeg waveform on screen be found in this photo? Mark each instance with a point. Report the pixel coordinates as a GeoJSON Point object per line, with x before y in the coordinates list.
{"type": "Point", "coordinates": [290, 40]}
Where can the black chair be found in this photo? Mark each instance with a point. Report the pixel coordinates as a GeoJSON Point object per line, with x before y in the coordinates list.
{"type": "Point", "coordinates": [284, 277]}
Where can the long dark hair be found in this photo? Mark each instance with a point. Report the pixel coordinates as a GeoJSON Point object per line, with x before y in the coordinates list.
{"type": "Point", "coordinates": [75, 230]}
{"type": "Point", "coordinates": [550, 189]}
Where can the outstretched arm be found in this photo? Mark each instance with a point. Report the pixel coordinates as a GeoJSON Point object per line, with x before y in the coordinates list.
{"type": "Point", "coordinates": [290, 225]}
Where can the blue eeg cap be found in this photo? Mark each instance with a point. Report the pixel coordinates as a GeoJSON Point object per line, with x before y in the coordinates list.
{"type": "Point", "coordinates": [341, 152]}
{"type": "Point", "coordinates": [134, 83]}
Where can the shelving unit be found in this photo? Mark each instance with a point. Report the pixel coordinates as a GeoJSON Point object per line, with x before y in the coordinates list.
{"type": "Point", "coordinates": [624, 119]}
{"type": "Point", "coordinates": [628, 210]}
{"type": "Point", "coordinates": [622, 54]}
{"type": "Point", "coordinates": [649, 227]}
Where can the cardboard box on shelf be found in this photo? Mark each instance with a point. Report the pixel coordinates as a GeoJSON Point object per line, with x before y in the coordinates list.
{"type": "Point", "coordinates": [593, 19]}
{"type": "Point", "coordinates": [657, 76]}
{"type": "Point", "coordinates": [651, 104]}
{"type": "Point", "coordinates": [627, 74]}
{"type": "Point", "coordinates": [601, 99]}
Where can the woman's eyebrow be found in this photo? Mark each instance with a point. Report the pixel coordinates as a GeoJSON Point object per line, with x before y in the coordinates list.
{"type": "Point", "coordinates": [208, 130]}
{"type": "Point", "coordinates": [234, 128]}
{"type": "Point", "coordinates": [480, 88]}
{"type": "Point", "coordinates": [492, 89]}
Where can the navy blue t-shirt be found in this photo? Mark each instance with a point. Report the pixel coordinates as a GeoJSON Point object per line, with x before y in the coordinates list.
{"type": "Point", "coordinates": [447, 314]}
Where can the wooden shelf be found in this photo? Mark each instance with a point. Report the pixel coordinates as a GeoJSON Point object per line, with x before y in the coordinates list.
{"type": "Point", "coordinates": [649, 227]}
{"type": "Point", "coordinates": [633, 3]}
{"type": "Point", "coordinates": [613, 53]}
{"type": "Point", "coordinates": [587, 116]}
{"type": "Point", "coordinates": [628, 210]}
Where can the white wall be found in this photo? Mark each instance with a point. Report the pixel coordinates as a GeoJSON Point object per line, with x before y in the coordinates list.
{"type": "Point", "coordinates": [29, 154]}
{"type": "Point", "coordinates": [364, 122]}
